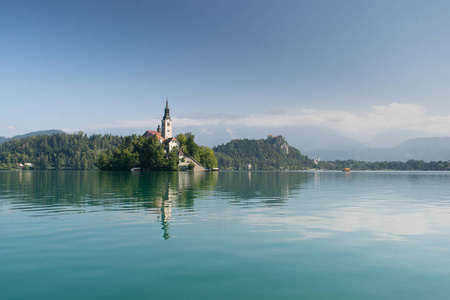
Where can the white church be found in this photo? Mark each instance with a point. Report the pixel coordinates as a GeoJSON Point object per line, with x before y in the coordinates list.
{"type": "Point", "coordinates": [164, 134]}
{"type": "Point", "coordinates": [164, 131]}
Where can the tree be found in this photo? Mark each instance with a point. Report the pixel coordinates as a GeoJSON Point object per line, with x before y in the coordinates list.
{"type": "Point", "coordinates": [207, 157]}
{"type": "Point", "coordinates": [204, 155]}
{"type": "Point", "coordinates": [173, 160]}
{"type": "Point", "coordinates": [138, 151]}
{"type": "Point", "coordinates": [191, 146]}
{"type": "Point", "coordinates": [269, 154]}
{"type": "Point", "coordinates": [61, 151]}
{"type": "Point", "coordinates": [151, 154]}
{"type": "Point", "coordinates": [181, 138]}
{"type": "Point", "coordinates": [105, 161]}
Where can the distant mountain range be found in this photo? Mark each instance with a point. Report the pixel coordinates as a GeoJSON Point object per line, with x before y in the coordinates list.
{"type": "Point", "coordinates": [329, 145]}
{"type": "Point", "coordinates": [427, 149]}
{"type": "Point", "coordinates": [41, 132]}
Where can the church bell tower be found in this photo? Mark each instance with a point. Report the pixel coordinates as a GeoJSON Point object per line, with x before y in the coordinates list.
{"type": "Point", "coordinates": [166, 123]}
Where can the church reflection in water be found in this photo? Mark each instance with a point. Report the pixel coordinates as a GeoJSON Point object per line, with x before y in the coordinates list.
{"type": "Point", "coordinates": [169, 197]}
{"type": "Point", "coordinates": [180, 192]}
{"type": "Point", "coordinates": [237, 188]}
{"type": "Point", "coordinates": [166, 194]}
{"type": "Point", "coordinates": [166, 214]}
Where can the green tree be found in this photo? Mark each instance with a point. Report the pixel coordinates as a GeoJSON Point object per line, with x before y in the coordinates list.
{"type": "Point", "coordinates": [208, 158]}
{"type": "Point", "coordinates": [152, 155]}
{"type": "Point", "coordinates": [204, 155]}
{"type": "Point", "coordinates": [181, 138]}
{"type": "Point", "coordinates": [191, 146]}
{"type": "Point", "coordinates": [172, 160]}
{"type": "Point", "coordinates": [269, 154]}
{"type": "Point", "coordinates": [138, 151]}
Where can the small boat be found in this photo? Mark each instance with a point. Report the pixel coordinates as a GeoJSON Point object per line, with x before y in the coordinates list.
{"type": "Point", "coordinates": [346, 170]}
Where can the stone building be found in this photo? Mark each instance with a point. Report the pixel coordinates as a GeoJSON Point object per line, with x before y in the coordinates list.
{"type": "Point", "coordinates": [164, 134]}
{"type": "Point", "coordinates": [164, 131]}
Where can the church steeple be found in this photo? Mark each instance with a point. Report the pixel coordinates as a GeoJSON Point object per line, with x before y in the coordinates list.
{"type": "Point", "coordinates": [166, 123]}
{"type": "Point", "coordinates": [167, 111]}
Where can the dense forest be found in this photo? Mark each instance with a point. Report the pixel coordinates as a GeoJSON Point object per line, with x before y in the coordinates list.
{"type": "Point", "coordinates": [59, 151]}
{"type": "Point", "coordinates": [410, 165]}
{"type": "Point", "coordinates": [138, 151]}
{"type": "Point", "coordinates": [22, 136]}
{"type": "Point", "coordinates": [149, 154]}
{"type": "Point", "coordinates": [78, 151]}
{"type": "Point", "coordinates": [273, 153]}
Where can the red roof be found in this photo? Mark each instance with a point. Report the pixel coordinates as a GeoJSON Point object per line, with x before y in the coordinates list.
{"type": "Point", "coordinates": [150, 133]}
{"type": "Point", "coordinates": [166, 141]}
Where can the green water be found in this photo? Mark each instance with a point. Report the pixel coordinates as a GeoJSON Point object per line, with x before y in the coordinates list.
{"type": "Point", "coordinates": [224, 235]}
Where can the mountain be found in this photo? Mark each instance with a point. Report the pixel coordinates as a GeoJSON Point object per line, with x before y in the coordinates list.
{"type": "Point", "coordinates": [273, 153]}
{"type": "Point", "coordinates": [308, 139]}
{"type": "Point", "coordinates": [391, 138]}
{"type": "Point", "coordinates": [327, 144]}
{"type": "Point", "coordinates": [35, 133]}
{"type": "Point", "coordinates": [427, 149]}
{"type": "Point", "coordinates": [311, 140]}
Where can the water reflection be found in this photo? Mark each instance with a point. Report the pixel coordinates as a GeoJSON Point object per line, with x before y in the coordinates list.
{"type": "Point", "coordinates": [388, 205]}
{"type": "Point", "coordinates": [57, 193]}
{"type": "Point", "coordinates": [266, 188]}
{"type": "Point", "coordinates": [131, 191]}
{"type": "Point", "coordinates": [111, 190]}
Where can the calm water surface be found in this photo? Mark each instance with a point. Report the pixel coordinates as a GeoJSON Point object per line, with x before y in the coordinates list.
{"type": "Point", "coordinates": [224, 235]}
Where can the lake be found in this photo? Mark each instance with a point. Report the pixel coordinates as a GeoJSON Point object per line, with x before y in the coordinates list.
{"type": "Point", "coordinates": [224, 235]}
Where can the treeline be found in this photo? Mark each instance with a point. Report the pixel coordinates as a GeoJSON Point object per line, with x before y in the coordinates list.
{"type": "Point", "coordinates": [60, 151]}
{"type": "Point", "coordinates": [269, 154]}
{"type": "Point", "coordinates": [78, 151]}
{"type": "Point", "coordinates": [22, 136]}
{"type": "Point", "coordinates": [138, 151]}
{"type": "Point", "coordinates": [149, 154]}
{"type": "Point", "coordinates": [410, 165]}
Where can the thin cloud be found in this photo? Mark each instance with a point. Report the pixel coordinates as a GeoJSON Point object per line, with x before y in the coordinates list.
{"type": "Point", "coordinates": [376, 119]}
{"type": "Point", "coordinates": [231, 133]}
{"type": "Point", "coordinates": [205, 131]}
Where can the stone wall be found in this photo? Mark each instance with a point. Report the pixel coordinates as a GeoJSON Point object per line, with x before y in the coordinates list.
{"type": "Point", "coordinates": [197, 165]}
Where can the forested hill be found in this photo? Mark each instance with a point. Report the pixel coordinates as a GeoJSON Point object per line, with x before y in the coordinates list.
{"type": "Point", "coordinates": [273, 153]}
{"type": "Point", "coordinates": [56, 151]}
{"type": "Point", "coordinates": [42, 132]}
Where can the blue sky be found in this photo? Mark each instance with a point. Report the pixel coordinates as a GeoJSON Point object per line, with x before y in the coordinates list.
{"type": "Point", "coordinates": [358, 67]}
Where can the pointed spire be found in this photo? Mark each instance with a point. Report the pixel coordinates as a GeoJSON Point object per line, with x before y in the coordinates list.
{"type": "Point", "coordinates": [167, 111]}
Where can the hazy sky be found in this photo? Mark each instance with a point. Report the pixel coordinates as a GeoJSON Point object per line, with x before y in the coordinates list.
{"type": "Point", "coordinates": [358, 67]}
